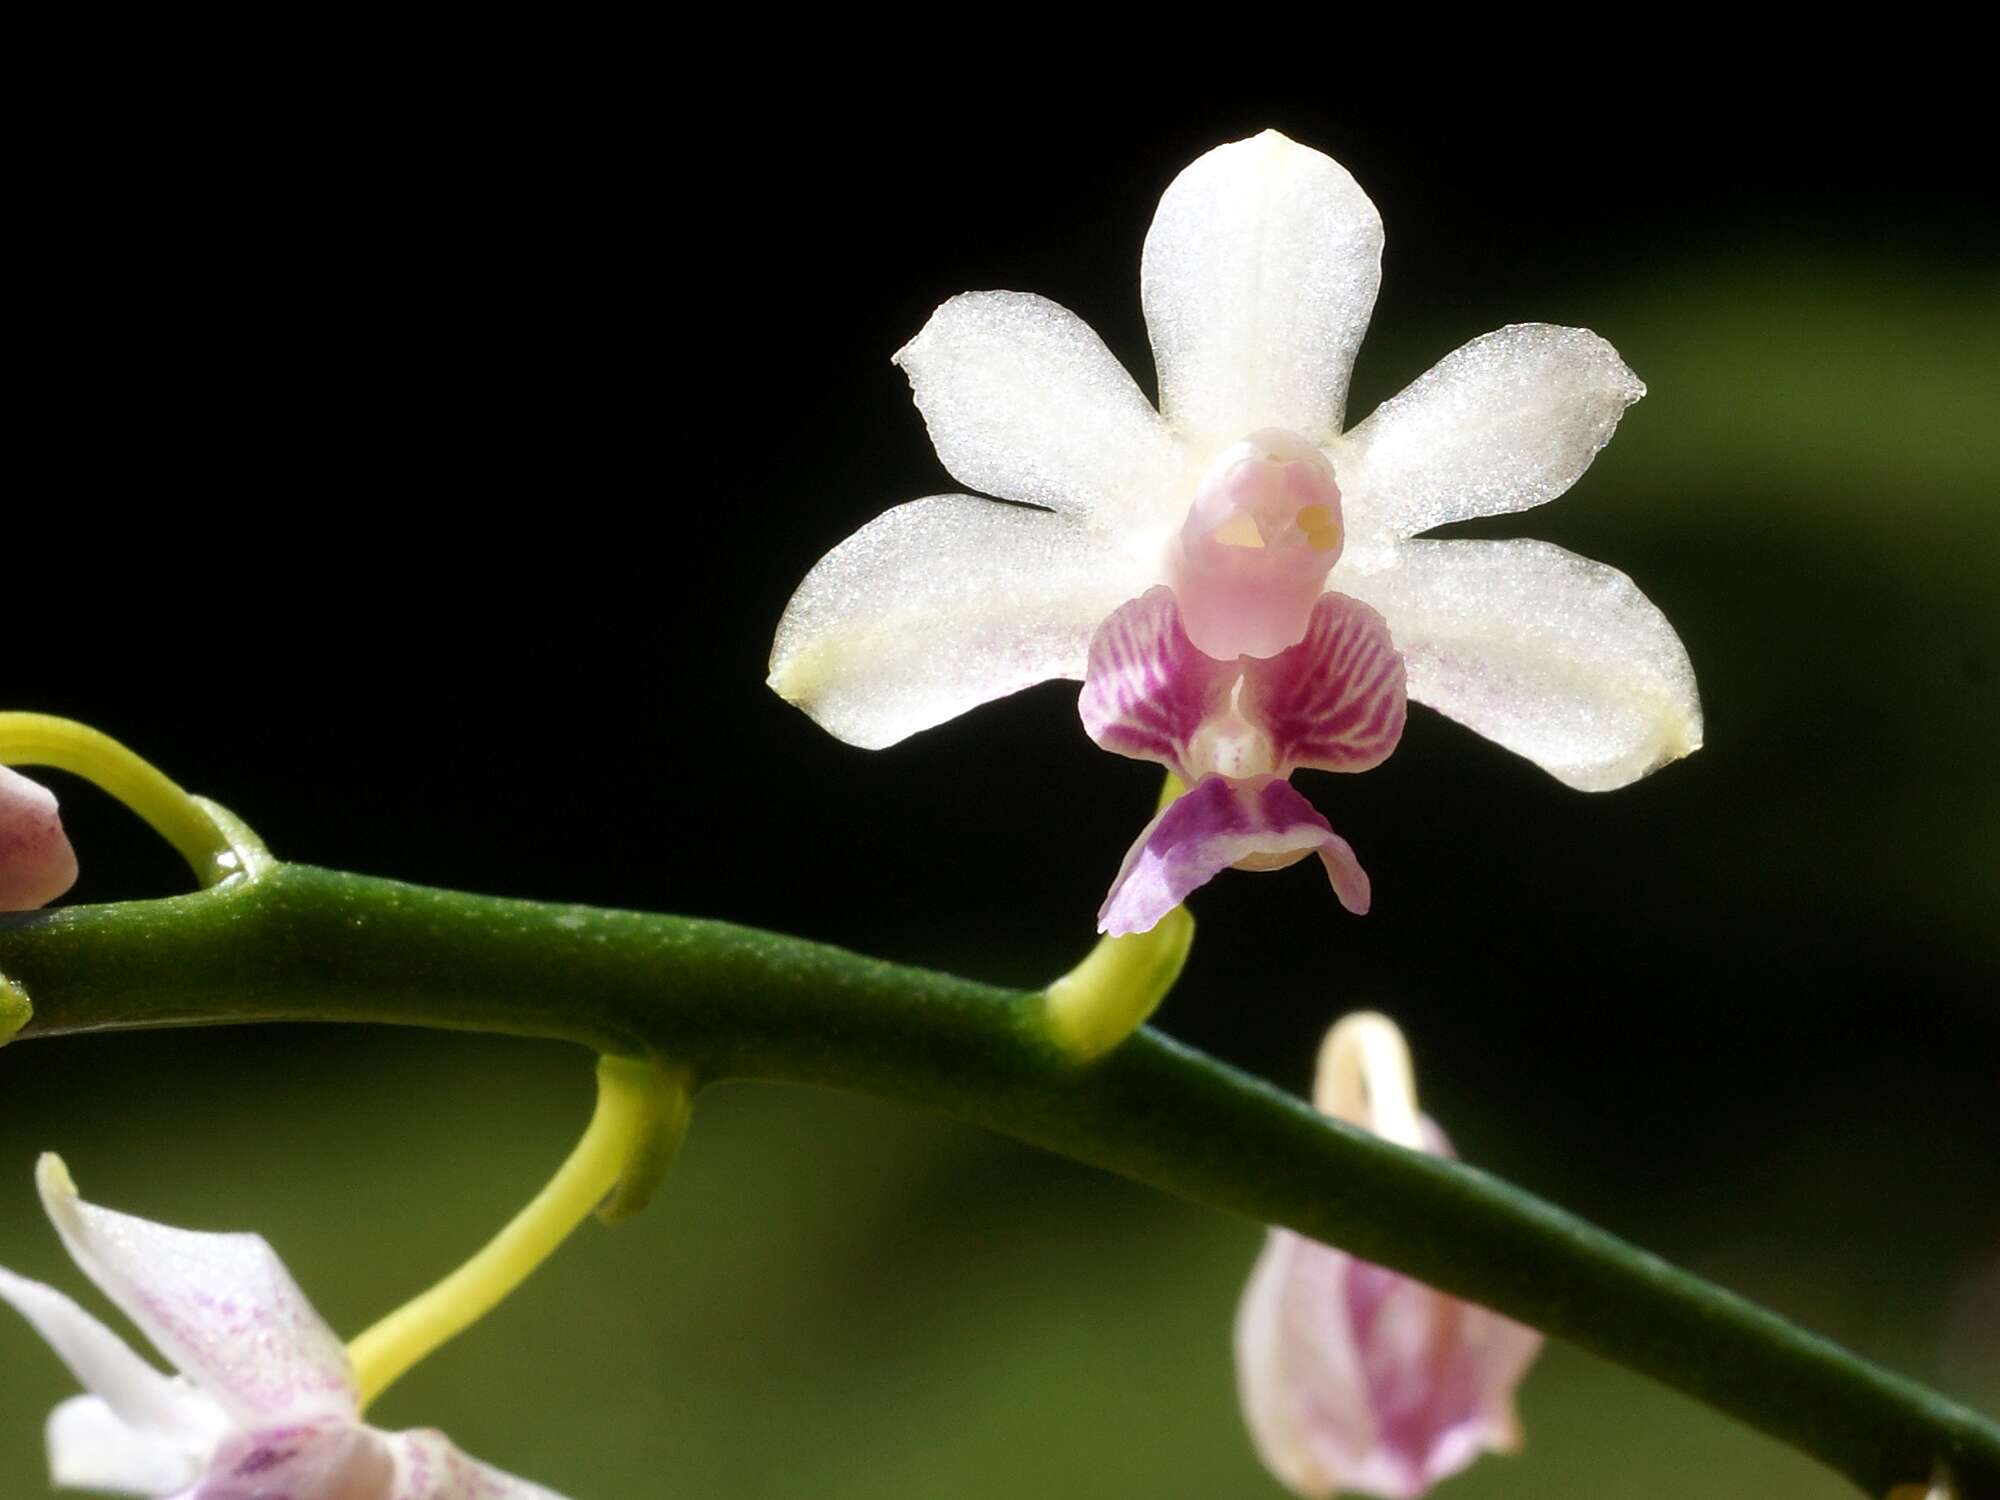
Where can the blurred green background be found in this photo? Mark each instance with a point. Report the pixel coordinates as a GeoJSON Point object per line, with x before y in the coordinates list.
{"type": "Point", "coordinates": [465, 452]}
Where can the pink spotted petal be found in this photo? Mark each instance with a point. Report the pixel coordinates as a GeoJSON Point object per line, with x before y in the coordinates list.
{"type": "Point", "coordinates": [1262, 823]}
{"type": "Point", "coordinates": [222, 1307]}
{"type": "Point", "coordinates": [37, 863]}
{"type": "Point", "coordinates": [1147, 690]}
{"type": "Point", "coordinates": [307, 1461]}
{"type": "Point", "coordinates": [1333, 702]}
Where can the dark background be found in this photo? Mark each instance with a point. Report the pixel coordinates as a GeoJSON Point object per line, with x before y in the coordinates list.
{"type": "Point", "coordinates": [421, 471]}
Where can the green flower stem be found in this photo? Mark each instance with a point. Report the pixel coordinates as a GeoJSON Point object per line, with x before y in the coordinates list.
{"type": "Point", "coordinates": [720, 1001]}
{"type": "Point", "coordinates": [642, 1112]}
{"type": "Point", "coordinates": [1120, 982]}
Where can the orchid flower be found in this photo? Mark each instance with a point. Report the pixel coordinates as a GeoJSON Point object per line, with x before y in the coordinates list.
{"type": "Point", "coordinates": [37, 863]}
{"type": "Point", "coordinates": [1352, 1376]}
{"type": "Point", "coordinates": [1247, 498]}
{"type": "Point", "coordinates": [265, 1406]}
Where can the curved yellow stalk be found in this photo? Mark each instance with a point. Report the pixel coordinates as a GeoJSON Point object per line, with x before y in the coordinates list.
{"type": "Point", "coordinates": [642, 1112]}
{"type": "Point", "coordinates": [214, 842]}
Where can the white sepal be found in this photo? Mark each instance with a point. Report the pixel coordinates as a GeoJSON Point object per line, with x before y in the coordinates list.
{"type": "Point", "coordinates": [943, 604]}
{"type": "Point", "coordinates": [1556, 657]}
{"type": "Point", "coordinates": [1258, 277]}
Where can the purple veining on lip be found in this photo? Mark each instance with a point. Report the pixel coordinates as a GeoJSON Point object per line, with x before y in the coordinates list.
{"type": "Point", "coordinates": [1147, 691]}
{"type": "Point", "coordinates": [1217, 823]}
{"type": "Point", "coordinates": [1335, 701]}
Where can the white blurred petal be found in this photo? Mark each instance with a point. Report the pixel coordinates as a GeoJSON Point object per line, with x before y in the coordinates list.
{"type": "Point", "coordinates": [1258, 277]}
{"type": "Point", "coordinates": [222, 1307]}
{"type": "Point", "coordinates": [428, 1467]}
{"type": "Point", "coordinates": [1556, 657]}
{"type": "Point", "coordinates": [1024, 401]}
{"type": "Point", "coordinates": [1504, 423]}
{"type": "Point", "coordinates": [90, 1448]}
{"type": "Point", "coordinates": [943, 604]}
{"type": "Point", "coordinates": [325, 1460]}
{"type": "Point", "coordinates": [1298, 1374]}
{"type": "Point", "coordinates": [134, 1394]}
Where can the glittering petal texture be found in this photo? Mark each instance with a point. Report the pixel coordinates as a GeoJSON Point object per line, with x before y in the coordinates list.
{"type": "Point", "coordinates": [1354, 1378]}
{"type": "Point", "coordinates": [91, 1448]}
{"type": "Point", "coordinates": [37, 863]}
{"type": "Point", "coordinates": [1258, 277]}
{"type": "Point", "coordinates": [221, 1307]}
{"type": "Point", "coordinates": [1558, 658]}
{"type": "Point", "coordinates": [266, 1408]}
{"type": "Point", "coordinates": [1215, 824]}
{"type": "Point", "coordinates": [428, 1467]}
{"type": "Point", "coordinates": [1507, 422]}
{"type": "Point", "coordinates": [1147, 690]}
{"type": "Point", "coordinates": [1025, 402]}
{"type": "Point", "coordinates": [302, 1461]}
{"type": "Point", "coordinates": [1334, 701]}
{"type": "Point", "coordinates": [941, 605]}
{"type": "Point", "coordinates": [132, 1392]}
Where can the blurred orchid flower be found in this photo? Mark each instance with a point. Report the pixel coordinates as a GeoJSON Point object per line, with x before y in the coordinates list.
{"type": "Point", "coordinates": [37, 863]}
{"type": "Point", "coordinates": [265, 1407]}
{"type": "Point", "coordinates": [1244, 494]}
{"type": "Point", "coordinates": [1352, 1376]}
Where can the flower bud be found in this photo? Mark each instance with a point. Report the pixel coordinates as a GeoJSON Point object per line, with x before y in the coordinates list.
{"type": "Point", "coordinates": [37, 863]}
{"type": "Point", "coordinates": [1354, 1377]}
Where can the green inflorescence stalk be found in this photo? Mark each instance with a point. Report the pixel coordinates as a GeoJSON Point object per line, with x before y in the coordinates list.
{"type": "Point", "coordinates": [720, 1001]}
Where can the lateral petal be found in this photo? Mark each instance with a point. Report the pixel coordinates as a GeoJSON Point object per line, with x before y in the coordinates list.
{"type": "Point", "coordinates": [1147, 691]}
{"type": "Point", "coordinates": [1258, 277]}
{"type": "Point", "coordinates": [1023, 401]}
{"type": "Point", "coordinates": [1556, 657]}
{"type": "Point", "coordinates": [1509, 421]}
{"type": "Point", "coordinates": [1334, 701]}
{"type": "Point", "coordinates": [943, 604]}
{"type": "Point", "coordinates": [222, 1307]}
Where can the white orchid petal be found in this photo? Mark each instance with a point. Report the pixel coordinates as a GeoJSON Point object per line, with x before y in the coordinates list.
{"type": "Point", "coordinates": [89, 1448]}
{"type": "Point", "coordinates": [1024, 401]}
{"type": "Point", "coordinates": [92, 1448]}
{"type": "Point", "coordinates": [222, 1307]}
{"type": "Point", "coordinates": [1259, 274]}
{"type": "Point", "coordinates": [138, 1396]}
{"type": "Point", "coordinates": [1556, 657]}
{"type": "Point", "coordinates": [1504, 423]}
{"type": "Point", "coordinates": [943, 604]}
{"type": "Point", "coordinates": [429, 1467]}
